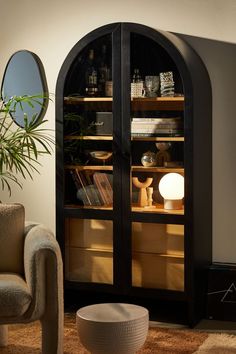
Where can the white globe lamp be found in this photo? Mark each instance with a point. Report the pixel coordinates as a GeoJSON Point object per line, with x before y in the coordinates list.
{"type": "Point", "coordinates": [171, 187]}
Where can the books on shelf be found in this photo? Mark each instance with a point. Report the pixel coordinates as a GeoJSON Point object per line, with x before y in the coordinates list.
{"type": "Point", "coordinates": [104, 186]}
{"type": "Point", "coordinates": [156, 126]}
{"type": "Point", "coordinates": [93, 189]}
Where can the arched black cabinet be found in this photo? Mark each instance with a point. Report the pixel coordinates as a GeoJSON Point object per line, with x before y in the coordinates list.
{"type": "Point", "coordinates": [116, 235]}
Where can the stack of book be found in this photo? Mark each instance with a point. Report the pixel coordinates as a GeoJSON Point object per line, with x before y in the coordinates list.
{"type": "Point", "coordinates": [156, 126]}
{"type": "Point", "coordinates": [93, 189]}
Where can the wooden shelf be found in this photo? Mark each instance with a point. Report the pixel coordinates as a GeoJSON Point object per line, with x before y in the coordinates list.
{"type": "Point", "coordinates": [133, 99]}
{"type": "Point", "coordinates": [77, 100]}
{"type": "Point", "coordinates": [133, 138]}
{"type": "Point", "coordinates": [96, 207]}
{"type": "Point", "coordinates": [157, 138]}
{"type": "Point", "coordinates": [158, 99]}
{"type": "Point", "coordinates": [88, 137]}
{"type": "Point", "coordinates": [134, 168]}
{"type": "Point", "coordinates": [89, 167]}
{"type": "Point", "coordinates": [157, 169]}
{"type": "Point", "coordinates": [90, 249]}
{"type": "Point", "coordinates": [139, 103]}
{"type": "Point", "coordinates": [102, 104]}
{"type": "Point", "coordinates": [165, 255]}
{"type": "Point", "coordinates": [158, 103]}
{"type": "Point", "coordinates": [157, 209]}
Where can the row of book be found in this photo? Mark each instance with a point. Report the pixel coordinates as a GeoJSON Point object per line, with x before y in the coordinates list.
{"type": "Point", "coordinates": [93, 188]}
{"type": "Point", "coordinates": [156, 126]}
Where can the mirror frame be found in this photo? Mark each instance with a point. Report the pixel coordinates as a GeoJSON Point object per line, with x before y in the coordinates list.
{"type": "Point", "coordinates": [42, 78]}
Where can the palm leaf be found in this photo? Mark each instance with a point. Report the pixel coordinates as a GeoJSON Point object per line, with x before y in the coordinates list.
{"type": "Point", "coordinates": [20, 148]}
{"type": "Point", "coordinates": [5, 181]}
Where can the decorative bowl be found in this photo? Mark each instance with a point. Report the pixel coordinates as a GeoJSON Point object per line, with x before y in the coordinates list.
{"type": "Point", "coordinates": [101, 155]}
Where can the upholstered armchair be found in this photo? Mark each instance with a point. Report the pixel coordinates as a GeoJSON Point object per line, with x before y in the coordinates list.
{"type": "Point", "coordinates": [31, 285]}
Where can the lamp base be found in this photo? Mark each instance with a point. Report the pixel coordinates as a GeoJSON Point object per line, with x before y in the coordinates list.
{"type": "Point", "coordinates": [172, 204]}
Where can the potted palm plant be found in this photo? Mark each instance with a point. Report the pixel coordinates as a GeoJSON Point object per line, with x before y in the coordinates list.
{"type": "Point", "coordinates": [21, 147]}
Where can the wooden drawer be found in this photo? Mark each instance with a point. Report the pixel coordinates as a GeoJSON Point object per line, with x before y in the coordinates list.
{"type": "Point", "coordinates": [157, 271]}
{"type": "Point", "coordinates": [89, 233]}
{"type": "Point", "coordinates": [85, 265]}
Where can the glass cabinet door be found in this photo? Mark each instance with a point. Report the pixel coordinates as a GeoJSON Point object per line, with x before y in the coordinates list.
{"type": "Point", "coordinates": [88, 163]}
{"type": "Point", "coordinates": [157, 150]}
{"type": "Point", "coordinates": [158, 256]}
{"type": "Point", "coordinates": [88, 126]}
{"type": "Point", "coordinates": [89, 250]}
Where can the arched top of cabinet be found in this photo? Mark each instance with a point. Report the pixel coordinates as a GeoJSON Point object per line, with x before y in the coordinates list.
{"type": "Point", "coordinates": [190, 66]}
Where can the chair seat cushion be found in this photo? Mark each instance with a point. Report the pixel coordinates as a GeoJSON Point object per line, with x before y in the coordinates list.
{"type": "Point", "coordinates": [15, 297]}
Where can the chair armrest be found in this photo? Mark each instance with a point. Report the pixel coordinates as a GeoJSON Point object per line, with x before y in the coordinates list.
{"type": "Point", "coordinates": [43, 270]}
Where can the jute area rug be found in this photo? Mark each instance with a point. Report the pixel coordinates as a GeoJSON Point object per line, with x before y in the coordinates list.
{"type": "Point", "coordinates": [25, 339]}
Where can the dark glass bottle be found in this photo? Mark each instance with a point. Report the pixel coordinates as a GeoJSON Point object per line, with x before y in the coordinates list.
{"type": "Point", "coordinates": [136, 76]}
{"type": "Point", "coordinates": [91, 76]}
{"type": "Point", "coordinates": [103, 71]}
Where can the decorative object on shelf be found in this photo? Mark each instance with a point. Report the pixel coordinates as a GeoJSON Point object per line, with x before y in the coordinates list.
{"type": "Point", "coordinates": [95, 123]}
{"type": "Point", "coordinates": [152, 84]}
{"type": "Point", "coordinates": [91, 76]}
{"type": "Point", "coordinates": [103, 71]}
{"type": "Point", "coordinates": [109, 88]}
{"type": "Point", "coordinates": [137, 87]}
{"type": "Point", "coordinates": [163, 155]}
{"type": "Point", "coordinates": [167, 85]}
{"type": "Point", "coordinates": [149, 197]}
{"type": "Point", "coordinates": [101, 155]}
{"type": "Point", "coordinates": [171, 187]}
{"type": "Point", "coordinates": [149, 159]}
{"type": "Point", "coordinates": [142, 198]}
{"type": "Point", "coordinates": [101, 124]}
{"type": "Point", "coordinates": [136, 76]}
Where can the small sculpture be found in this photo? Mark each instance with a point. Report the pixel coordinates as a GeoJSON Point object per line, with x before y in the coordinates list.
{"type": "Point", "coordinates": [167, 85]}
{"type": "Point", "coordinates": [142, 198]}
{"type": "Point", "coordinates": [163, 155]}
{"type": "Point", "coordinates": [149, 197]}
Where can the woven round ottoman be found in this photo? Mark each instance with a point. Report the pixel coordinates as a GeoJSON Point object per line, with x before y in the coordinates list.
{"type": "Point", "coordinates": [112, 328]}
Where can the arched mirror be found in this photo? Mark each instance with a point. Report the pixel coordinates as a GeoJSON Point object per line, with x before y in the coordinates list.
{"type": "Point", "coordinates": [24, 76]}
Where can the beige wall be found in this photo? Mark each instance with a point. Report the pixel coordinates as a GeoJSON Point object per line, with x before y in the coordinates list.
{"type": "Point", "coordinates": [50, 28]}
